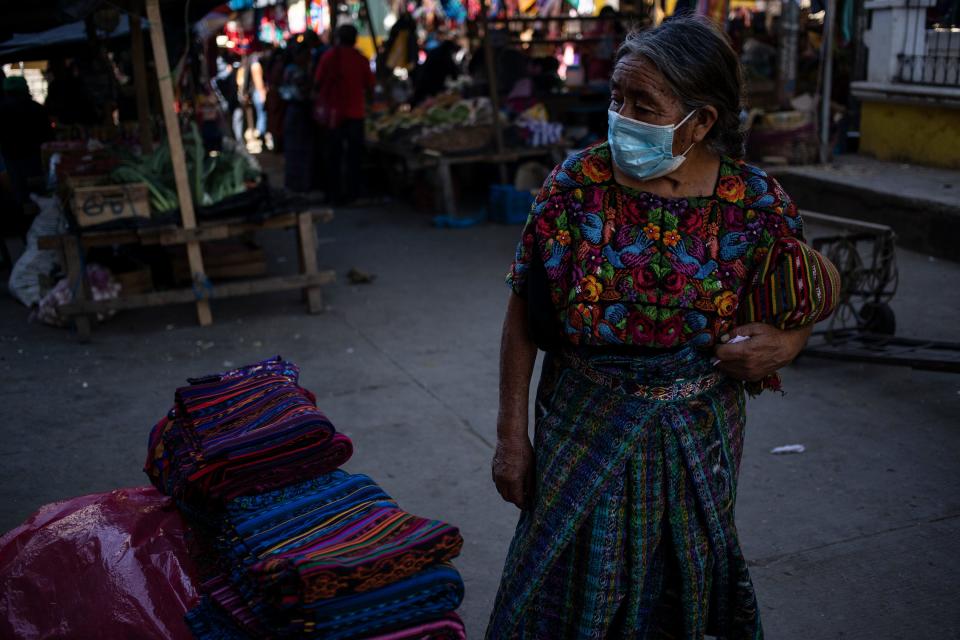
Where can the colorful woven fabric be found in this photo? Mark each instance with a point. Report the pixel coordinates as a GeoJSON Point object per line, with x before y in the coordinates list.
{"type": "Point", "coordinates": [333, 535]}
{"type": "Point", "coordinates": [415, 601]}
{"type": "Point", "coordinates": [794, 287]}
{"type": "Point", "coordinates": [209, 622]}
{"type": "Point", "coordinates": [290, 545]}
{"type": "Point", "coordinates": [632, 532]}
{"type": "Point", "coordinates": [412, 601]}
{"type": "Point", "coordinates": [449, 627]}
{"type": "Point", "coordinates": [248, 430]}
{"type": "Point", "coordinates": [628, 267]}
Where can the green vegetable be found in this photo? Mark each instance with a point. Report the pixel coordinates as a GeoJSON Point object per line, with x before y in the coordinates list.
{"type": "Point", "coordinates": [212, 178]}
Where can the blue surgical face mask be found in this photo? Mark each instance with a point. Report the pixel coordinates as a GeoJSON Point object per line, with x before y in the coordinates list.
{"type": "Point", "coordinates": [644, 151]}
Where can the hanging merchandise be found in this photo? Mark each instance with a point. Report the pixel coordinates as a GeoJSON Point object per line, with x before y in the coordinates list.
{"type": "Point", "coordinates": [455, 10]}
{"type": "Point", "coordinates": [273, 27]}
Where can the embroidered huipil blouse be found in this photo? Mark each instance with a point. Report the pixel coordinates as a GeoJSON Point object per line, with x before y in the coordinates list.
{"type": "Point", "coordinates": [626, 267]}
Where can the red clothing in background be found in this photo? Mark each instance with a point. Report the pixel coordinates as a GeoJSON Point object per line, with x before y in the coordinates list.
{"type": "Point", "coordinates": [347, 72]}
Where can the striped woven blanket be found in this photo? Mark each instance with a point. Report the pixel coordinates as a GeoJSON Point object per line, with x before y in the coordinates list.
{"type": "Point", "coordinates": [416, 607]}
{"type": "Point", "coordinates": [335, 534]}
{"type": "Point", "coordinates": [245, 431]}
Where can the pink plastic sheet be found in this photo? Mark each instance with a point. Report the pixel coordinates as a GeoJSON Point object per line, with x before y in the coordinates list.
{"type": "Point", "coordinates": [107, 565]}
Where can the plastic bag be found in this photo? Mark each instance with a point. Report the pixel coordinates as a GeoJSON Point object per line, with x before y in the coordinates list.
{"type": "Point", "coordinates": [24, 282]}
{"type": "Point", "coordinates": [108, 565]}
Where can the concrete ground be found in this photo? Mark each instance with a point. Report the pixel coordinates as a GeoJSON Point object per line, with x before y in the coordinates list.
{"type": "Point", "coordinates": [856, 538]}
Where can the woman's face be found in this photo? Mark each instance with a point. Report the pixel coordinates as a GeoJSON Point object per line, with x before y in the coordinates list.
{"type": "Point", "coordinates": [640, 92]}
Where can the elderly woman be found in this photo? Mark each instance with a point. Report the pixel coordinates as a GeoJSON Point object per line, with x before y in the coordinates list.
{"type": "Point", "coordinates": [643, 258]}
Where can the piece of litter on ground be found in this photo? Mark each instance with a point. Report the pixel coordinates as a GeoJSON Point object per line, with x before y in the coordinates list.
{"type": "Point", "coordinates": [355, 276]}
{"type": "Point", "coordinates": [257, 343]}
{"type": "Point", "coordinates": [788, 448]}
{"type": "Point", "coordinates": [205, 345]}
{"type": "Point", "coordinates": [349, 349]}
{"type": "Point", "coordinates": [170, 327]}
{"type": "Point", "coordinates": [228, 364]}
{"type": "Point", "coordinates": [85, 385]}
{"type": "Point", "coordinates": [931, 259]}
{"type": "Point", "coordinates": [296, 336]}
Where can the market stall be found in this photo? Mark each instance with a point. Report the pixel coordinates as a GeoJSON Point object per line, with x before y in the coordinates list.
{"type": "Point", "coordinates": [522, 92]}
{"type": "Point", "coordinates": [120, 186]}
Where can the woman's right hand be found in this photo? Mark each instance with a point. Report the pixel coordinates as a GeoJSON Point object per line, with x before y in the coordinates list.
{"type": "Point", "coordinates": [513, 467]}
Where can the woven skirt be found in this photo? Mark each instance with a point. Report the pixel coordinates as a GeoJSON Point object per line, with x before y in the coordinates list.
{"type": "Point", "coordinates": [631, 533]}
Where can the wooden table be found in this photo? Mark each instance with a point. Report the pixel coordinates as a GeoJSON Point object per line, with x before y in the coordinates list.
{"type": "Point", "coordinates": [440, 163]}
{"type": "Point", "coordinates": [74, 247]}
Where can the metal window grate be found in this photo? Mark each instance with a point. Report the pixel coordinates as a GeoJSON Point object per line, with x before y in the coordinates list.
{"type": "Point", "coordinates": [939, 66]}
{"type": "Point", "coordinates": [930, 51]}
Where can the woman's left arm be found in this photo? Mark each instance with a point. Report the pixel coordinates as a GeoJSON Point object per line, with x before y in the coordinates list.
{"type": "Point", "coordinates": [768, 350]}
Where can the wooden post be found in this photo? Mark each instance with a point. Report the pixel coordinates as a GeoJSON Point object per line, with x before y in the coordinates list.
{"type": "Point", "coordinates": [77, 279]}
{"type": "Point", "coordinates": [492, 80]}
{"type": "Point", "coordinates": [380, 55]}
{"type": "Point", "coordinates": [826, 79]}
{"type": "Point", "coordinates": [177, 157]}
{"type": "Point", "coordinates": [307, 241]}
{"type": "Point", "coordinates": [140, 80]}
{"type": "Point", "coordinates": [446, 188]}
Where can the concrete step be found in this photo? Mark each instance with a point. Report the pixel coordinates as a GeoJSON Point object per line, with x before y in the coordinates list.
{"type": "Point", "coordinates": [921, 204]}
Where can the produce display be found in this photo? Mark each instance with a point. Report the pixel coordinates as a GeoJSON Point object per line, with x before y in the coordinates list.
{"type": "Point", "coordinates": [213, 176]}
{"type": "Point", "coordinates": [436, 115]}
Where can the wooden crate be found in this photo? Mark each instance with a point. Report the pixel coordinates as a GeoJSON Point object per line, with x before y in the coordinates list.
{"type": "Point", "coordinates": [139, 280]}
{"type": "Point", "coordinates": [223, 259]}
{"type": "Point", "coordinates": [93, 205]}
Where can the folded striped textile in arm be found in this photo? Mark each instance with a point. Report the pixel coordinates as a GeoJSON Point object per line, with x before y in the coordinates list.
{"type": "Point", "coordinates": [793, 287]}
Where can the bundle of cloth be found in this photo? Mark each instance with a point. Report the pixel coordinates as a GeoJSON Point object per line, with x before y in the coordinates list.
{"type": "Point", "coordinates": [288, 544]}
{"type": "Point", "coordinates": [245, 431]}
{"type": "Point", "coordinates": [794, 287]}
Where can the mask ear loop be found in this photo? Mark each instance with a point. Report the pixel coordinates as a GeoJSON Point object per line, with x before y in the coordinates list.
{"type": "Point", "coordinates": [680, 124]}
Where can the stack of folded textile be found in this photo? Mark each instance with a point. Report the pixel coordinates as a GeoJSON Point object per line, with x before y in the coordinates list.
{"type": "Point", "coordinates": [248, 430]}
{"type": "Point", "coordinates": [300, 548]}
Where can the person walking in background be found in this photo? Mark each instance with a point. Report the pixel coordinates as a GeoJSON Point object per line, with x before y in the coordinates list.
{"type": "Point", "coordinates": [430, 78]}
{"type": "Point", "coordinates": [298, 147]}
{"type": "Point", "coordinates": [258, 95]}
{"type": "Point", "coordinates": [228, 90]}
{"type": "Point", "coordinates": [24, 127]}
{"type": "Point", "coordinates": [342, 82]}
{"type": "Point", "coordinates": [275, 104]}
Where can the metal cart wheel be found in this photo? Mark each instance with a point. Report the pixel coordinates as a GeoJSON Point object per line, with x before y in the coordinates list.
{"type": "Point", "coordinates": [878, 317]}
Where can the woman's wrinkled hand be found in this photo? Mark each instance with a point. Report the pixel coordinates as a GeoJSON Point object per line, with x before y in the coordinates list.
{"type": "Point", "coordinates": [768, 350]}
{"type": "Point", "coordinates": [513, 465]}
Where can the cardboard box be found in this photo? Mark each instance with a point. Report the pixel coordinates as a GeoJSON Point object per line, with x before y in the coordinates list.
{"type": "Point", "coordinates": [92, 205]}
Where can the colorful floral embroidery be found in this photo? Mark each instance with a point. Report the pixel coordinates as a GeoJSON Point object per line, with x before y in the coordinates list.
{"type": "Point", "coordinates": [629, 267]}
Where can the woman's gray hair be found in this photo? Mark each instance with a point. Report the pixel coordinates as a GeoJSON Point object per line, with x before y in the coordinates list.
{"type": "Point", "coordinates": [702, 69]}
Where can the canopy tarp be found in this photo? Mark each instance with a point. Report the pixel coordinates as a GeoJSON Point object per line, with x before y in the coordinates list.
{"type": "Point", "coordinates": [46, 44]}
{"type": "Point", "coordinates": [31, 16]}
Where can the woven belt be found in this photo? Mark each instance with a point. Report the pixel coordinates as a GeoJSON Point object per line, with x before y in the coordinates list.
{"type": "Point", "coordinates": [678, 390]}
